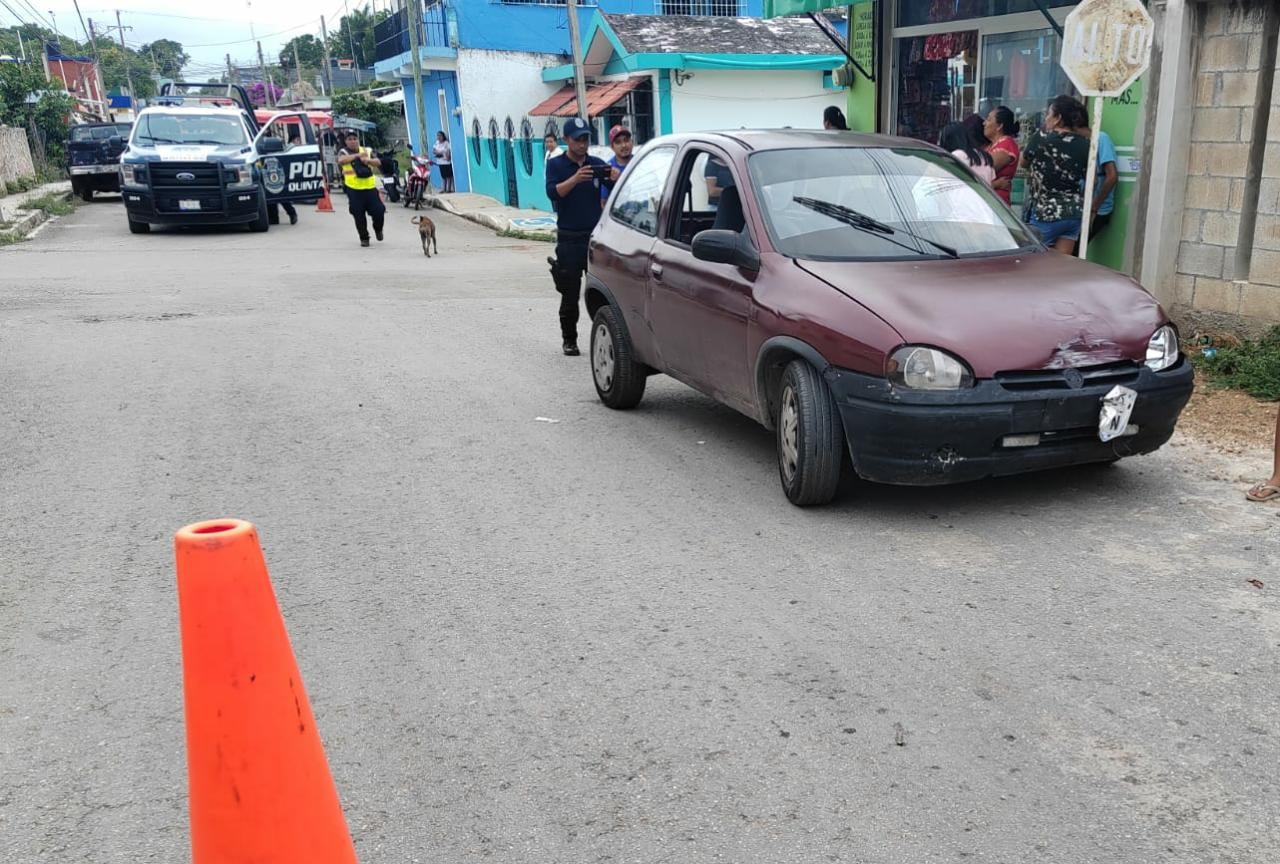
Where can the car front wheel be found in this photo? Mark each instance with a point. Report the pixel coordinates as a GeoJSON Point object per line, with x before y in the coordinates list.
{"type": "Point", "coordinates": [618, 377]}
{"type": "Point", "coordinates": [810, 437]}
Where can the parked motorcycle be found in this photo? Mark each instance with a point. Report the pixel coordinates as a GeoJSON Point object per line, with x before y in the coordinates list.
{"type": "Point", "coordinates": [417, 181]}
{"type": "Point", "coordinates": [390, 173]}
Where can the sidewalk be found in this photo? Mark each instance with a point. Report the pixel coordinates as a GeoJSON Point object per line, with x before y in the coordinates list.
{"type": "Point", "coordinates": [493, 214]}
{"type": "Point", "coordinates": [16, 220]}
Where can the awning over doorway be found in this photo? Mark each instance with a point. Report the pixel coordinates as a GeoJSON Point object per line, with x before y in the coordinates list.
{"type": "Point", "coordinates": [606, 94]}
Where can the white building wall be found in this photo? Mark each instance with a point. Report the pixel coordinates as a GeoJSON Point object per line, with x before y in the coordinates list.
{"type": "Point", "coordinates": [715, 99]}
{"type": "Point", "coordinates": [501, 84]}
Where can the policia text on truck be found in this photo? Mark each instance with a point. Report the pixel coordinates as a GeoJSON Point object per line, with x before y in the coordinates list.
{"type": "Point", "coordinates": [197, 156]}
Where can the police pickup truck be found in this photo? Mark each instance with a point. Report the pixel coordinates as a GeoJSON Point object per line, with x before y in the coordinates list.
{"type": "Point", "coordinates": [197, 156]}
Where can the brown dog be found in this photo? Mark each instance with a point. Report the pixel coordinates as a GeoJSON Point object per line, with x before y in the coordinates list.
{"type": "Point", "coordinates": [427, 232]}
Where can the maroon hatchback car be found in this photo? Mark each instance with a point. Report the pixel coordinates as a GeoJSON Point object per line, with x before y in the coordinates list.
{"type": "Point", "coordinates": [869, 299]}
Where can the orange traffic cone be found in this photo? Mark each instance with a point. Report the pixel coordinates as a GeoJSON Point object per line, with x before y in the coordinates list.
{"type": "Point", "coordinates": [325, 204]}
{"type": "Point", "coordinates": [260, 788]}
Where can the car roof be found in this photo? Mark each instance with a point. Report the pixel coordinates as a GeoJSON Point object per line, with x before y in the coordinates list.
{"type": "Point", "coordinates": [791, 139]}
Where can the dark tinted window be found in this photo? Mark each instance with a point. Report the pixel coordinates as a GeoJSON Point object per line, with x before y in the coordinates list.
{"type": "Point", "coordinates": [915, 12]}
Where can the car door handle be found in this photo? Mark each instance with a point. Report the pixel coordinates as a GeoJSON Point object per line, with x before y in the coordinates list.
{"type": "Point", "coordinates": [656, 270]}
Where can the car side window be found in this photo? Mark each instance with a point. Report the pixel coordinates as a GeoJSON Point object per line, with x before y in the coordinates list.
{"type": "Point", "coordinates": [708, 198]}
{"type": "Point", "coordinates": [637, 201]}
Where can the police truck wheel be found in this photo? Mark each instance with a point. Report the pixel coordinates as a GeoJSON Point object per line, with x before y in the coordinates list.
{"type": "Point", "coordinates": [263, 222]}
{"type": "Point", "coordinates": [619, 379]}
{"type": "Point", "coordinates": [139, 227]}
{"type": "Point", "coordinates": [86, 194]}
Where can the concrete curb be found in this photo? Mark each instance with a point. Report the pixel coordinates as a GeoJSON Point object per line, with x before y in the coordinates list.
{"type": "Point", "coordinates": [29, 220]}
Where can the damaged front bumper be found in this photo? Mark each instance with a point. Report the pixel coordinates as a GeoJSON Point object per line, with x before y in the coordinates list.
{"type": "Point", "coordinates": [1011, 424]}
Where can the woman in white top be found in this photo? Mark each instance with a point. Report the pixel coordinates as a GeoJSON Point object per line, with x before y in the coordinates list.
{"type": "Point", "coordinates": [551, 144]}
{"type": "Point", "coordinates": [444, 160]}
{"type": "Point", "coordinates": [955, 138]}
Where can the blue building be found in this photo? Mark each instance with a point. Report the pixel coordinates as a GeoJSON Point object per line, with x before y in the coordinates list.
{"type": "Point", "coordinates": [497, 75]}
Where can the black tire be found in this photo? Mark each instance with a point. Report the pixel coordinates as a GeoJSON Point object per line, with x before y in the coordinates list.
{"type": "Point", "coordinates": [263, 222]}
{"type": "Point", "coordinates": [86, 194]}
{"type": "Point", "coordinates": [810, 437]}
{"type": "Point", "coordinates": [139, 227]}
{"type": "Point", "coordinates": [619, 379]}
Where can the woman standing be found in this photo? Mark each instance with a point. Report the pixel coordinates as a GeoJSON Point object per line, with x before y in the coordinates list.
{"type": "Point", "coordinates": [444, 158]}
{"type": "Point", "coordinates": [1056, 161]}
{"type": "Point", "coordinates": [1002, 131]}
{"type": "Point", "coordinates": [551, 147]}
{"type": "Point", "coordinates": [958, 141]}
{"type": "Point", "coordinates": [833, 119]}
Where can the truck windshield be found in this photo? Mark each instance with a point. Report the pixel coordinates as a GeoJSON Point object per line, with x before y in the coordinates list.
{"type": "Point", "coordinates": [866, 203]}
{"type": "Point", "coordinates": [221, 130]}
{"type": "Point", "coordinates": [80, 134]}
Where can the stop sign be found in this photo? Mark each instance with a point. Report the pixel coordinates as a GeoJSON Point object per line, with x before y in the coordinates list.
{"type": "Point", "coordinates": [1106, 45]}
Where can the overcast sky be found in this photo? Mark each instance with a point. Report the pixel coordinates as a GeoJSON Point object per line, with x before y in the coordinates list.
{"type": "Point", "coordinates": [209, 31]}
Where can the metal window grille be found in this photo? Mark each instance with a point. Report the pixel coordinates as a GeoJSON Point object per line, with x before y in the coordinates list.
{"type": "Point", "coordinates": [723, 8]}
{"type": "Point", "coordinates": [475, 138]}
{"type": "Point", "coordinates": [526, 145]}
{"type": "Point", "coordinates": [493, 140]}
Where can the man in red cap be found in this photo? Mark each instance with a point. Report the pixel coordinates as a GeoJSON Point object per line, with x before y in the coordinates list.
{"type": "Point", "coordinates": [620, 141]}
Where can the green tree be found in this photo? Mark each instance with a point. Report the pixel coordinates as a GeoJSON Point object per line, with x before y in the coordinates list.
{"type": "Point", "coordinates": [360, 106]}
{"type": "Point", "coordinates": [355, 33]}
{"type": "Point", "coordinates": [310, 50]}
{"type": "Point", "coordinates": [167, 57]}
{"type": "Point", "coordinates": [44, 118]}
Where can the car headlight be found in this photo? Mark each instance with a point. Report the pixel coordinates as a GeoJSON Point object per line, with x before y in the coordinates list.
{"type": "Point", "coordinates": [133, 175]}
{"type": "Point", "coordinates": [921, 368]}
{"type": "Point", "coordinates": [239, 176]}
{"type": "Point", "coordinates": [1162, 348]}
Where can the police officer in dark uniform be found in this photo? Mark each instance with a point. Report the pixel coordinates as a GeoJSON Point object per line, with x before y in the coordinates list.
{"type": "Point", "coordinates": [573, 185]}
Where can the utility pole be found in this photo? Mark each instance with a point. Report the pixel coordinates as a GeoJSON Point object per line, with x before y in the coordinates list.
{"type": "Point", "coordinates": [579, 83]}
{"type": "Point", "coordinates": [266, 82]}
{"type": "Point", "coordinates": [297, 65]}
{"type": "Point", "coordinates": [415, 15]}
{"type": "Point", "coordinates": [328, 76]}
{"type": "Point", "coordinates": [97, 68]}
{"type": "Point", "coordinates": [231, 72]}
{"type": "Point", "coordinates": [128, 74]}
{"type": "Point", "coordinates": [351, 39]}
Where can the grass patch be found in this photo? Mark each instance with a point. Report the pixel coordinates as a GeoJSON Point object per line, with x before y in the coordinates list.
{"type": "Point", "coordinates": [545, 237]}
{"type": "Point", "coordinates": [52, 204]}
{"type": "Point", "coordinates": [1251, 366]}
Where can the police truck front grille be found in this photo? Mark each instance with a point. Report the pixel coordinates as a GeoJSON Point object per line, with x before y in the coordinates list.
{"type": "Point", "coordinates": [175, 182]}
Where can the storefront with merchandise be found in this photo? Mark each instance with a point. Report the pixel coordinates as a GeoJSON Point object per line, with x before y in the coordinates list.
{"type": "Point", "coordinates": [933, 62]}
{"type": "Point", "coordinates": [947, 59]}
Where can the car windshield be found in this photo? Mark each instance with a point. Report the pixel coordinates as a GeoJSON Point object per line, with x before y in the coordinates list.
{"type": "Point", "coordinates": [867, 203]}
{"type": "Point", "coordinates": [153, 129]}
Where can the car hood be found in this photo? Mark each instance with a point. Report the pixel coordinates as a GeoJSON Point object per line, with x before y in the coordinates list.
{"type": "Point", "coordinates": [1035, 311]}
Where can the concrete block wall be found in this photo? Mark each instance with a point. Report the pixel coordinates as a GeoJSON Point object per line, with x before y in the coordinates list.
{"type": "Point", "coordinates": [15, 155]}
{"type": "Point", "coordinates": [1226, 99]}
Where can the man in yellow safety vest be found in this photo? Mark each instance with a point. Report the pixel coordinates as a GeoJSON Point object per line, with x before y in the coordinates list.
{"type": "Point", "coordinates": [360, 180]}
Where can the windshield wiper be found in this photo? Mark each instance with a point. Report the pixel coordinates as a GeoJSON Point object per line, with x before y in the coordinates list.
{"type": "Point", "coordinates": [210, 141]}
{"type": "Point", "coordinates": [863, 222]}
{"type": "Point", "coordinates": [155, 140]}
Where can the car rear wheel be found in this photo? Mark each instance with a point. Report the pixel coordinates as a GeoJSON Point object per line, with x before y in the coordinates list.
{"type": "Point", "coordinates": [810, 437]}
{"type": "Point", "coordinates": [618, 377]}
{"type": "Point", "coordinates": [139, 227]}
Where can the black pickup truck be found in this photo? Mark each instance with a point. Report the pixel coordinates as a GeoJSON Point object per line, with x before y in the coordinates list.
{"type": "Point", "coordinates": [93, 157]}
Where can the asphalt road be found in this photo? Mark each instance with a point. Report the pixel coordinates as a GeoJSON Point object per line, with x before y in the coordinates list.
{"type": "Point", "coordinates": [607, 638]}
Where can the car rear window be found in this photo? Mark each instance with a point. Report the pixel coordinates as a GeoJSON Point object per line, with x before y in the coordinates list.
{"type": "Point", "coordinates": [96, 133]}
{"type": "Point", "coordinates": [917, 192]}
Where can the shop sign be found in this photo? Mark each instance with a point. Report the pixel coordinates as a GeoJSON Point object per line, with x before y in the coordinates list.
{"type": "Point", "coordinates": [1106, 45]}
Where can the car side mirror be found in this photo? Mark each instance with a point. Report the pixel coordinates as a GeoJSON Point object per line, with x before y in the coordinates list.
{"type": "Point", "coordinates": [271, 145]}
{"type": "Point", "coordinates": [720, 246]}
{"type": "Point", "coordinates": [115, 141]}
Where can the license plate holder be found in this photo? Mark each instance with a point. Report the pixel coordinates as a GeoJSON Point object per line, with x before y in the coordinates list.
{"type": "Point", "coordinates": [188, 204]}
{"type": "Point", "coordinates": [1117, 408]}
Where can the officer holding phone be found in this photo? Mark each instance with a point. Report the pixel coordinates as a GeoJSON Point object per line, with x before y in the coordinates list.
{"type": "Point", "coordinates": [573, 185]}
